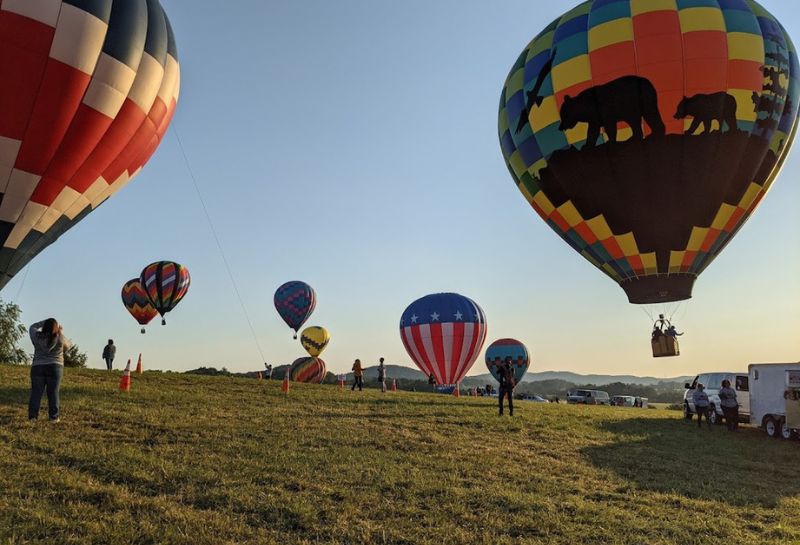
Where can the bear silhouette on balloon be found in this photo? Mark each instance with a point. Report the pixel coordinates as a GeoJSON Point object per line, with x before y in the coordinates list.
{"type": "Point", "coordinates": [704, 109]}
{"type": "Point", "coordinates": [629, 99]}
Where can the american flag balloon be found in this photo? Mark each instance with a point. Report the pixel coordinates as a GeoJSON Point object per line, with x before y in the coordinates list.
{"type": "Point", "coordinates": [444, 334]}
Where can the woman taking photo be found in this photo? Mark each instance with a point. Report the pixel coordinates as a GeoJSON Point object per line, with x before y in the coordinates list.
{"type": "Point", "coordinates": [47, 369]}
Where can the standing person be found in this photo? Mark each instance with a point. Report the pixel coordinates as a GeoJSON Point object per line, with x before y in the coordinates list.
{"type": "Point", "coordinates": [382, 375]}
{"type": "Point", "coordinates": [358, 375]}
{"type": "Point", "coordinates": [507, 384]}
{"type": "Point", "coordinates": [730, 406]}
{"type": "Point", "coordinates": [47, 368]}
{"type": "Point", "coordinates": [700, 398]}
{"type": "Point", "coordinates": [109, 351]}
{"type": "Point", "coordinates": [269, 370]}
{"type": "Point", "coordinates": [432, 381]}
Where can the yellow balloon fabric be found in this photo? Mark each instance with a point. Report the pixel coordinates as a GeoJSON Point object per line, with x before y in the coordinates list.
{"type": "Point", "coordinates": [314, 339]}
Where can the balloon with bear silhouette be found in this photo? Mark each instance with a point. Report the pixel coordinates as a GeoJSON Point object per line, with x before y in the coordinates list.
{"type": "Point", "coordinates": [646, 133]}
{"type": "Point", "coordinates": [88, 92]}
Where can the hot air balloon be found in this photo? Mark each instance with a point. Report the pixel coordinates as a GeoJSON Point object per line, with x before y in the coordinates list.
{"type": "Point", "coordinates": [310, 370]}
{"type": "Point", "coordinates": [501, 349]}
{"type": "Point", "coordinates": [137, 303]}
{"type": "Point", "coordinates": [646, 133]}
{"type": "Point", "coordinates": [166, 283]}
{"type": "Point", "coordinates": [89, 89]}
{"type": "Point", "coordinates": [295, 301]}
{"type": "Point", "coordinates": [314, 339]}
{"type": "Point", "coordinates": [443, 333]}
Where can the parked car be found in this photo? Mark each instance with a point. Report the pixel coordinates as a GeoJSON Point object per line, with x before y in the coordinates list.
{"type": "Point", "coordinates": [588, 397]}
{"type": "Point", "coordinates": [713, 384]}
{"type": "Point", "coordinates": [774, 393]}
{"type": "Point", "coordinates": [534, 398]}
{"type": "Point", "coordinates": [629, 401]}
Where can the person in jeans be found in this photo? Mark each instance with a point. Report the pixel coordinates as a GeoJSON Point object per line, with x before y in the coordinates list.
{"type": "Point", "coordinates": [47, 369]}
{"type": "Point", "coordinates": [358, 376]}
{"type": "Point", "coordinates": [700, 398]}
{"type": "Point", "coordinates": [109, 351]}
{"type": "Point", "coordinates": [729, 404]}
{"type": "Point", "coordinates": [507, 384]}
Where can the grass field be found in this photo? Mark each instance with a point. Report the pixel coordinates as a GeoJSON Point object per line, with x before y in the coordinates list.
{"type": "Point", "coordinates": [208, 460]}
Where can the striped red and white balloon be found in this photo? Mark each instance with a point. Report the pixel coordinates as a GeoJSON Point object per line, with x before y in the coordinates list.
{"type": "Point", "coordinates": [444, 334]}
{"type": "Point", "coordinates": [88, 91]}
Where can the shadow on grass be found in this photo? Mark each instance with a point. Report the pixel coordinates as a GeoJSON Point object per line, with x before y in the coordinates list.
{"type": "Point", "coordinates": [745, 468]}
{"type": "Point", "coordinates": [19, 395]}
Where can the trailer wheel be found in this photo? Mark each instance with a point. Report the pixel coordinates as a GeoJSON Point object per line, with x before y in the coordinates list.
{"type": "Point", "coordinates": [687, 413]}
{"type": "Point", "coordinates": [772, 427]}
{"type": "Point", "coordinates": [786, 432]}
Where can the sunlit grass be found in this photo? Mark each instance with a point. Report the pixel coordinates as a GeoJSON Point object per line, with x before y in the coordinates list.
{"type": "Point", "coordinates": [206, 460]}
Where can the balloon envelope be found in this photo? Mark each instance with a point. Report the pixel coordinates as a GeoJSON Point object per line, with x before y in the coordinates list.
{"type": "Point", "coordinates": [137, 303]}
{"type": "Point", "coordinates": [310, 370]}
{"type": "Point", "coordinates": [443, 334]}
{"type": "Point", "coordinates": [295, 301]}
{"type": "Point", "coordinates": [89, 89]}
{"type": "Point", "coordinates": [499, 350]}
{"type": "Point", "coordinates": [314, 339]}
{"type": "Point", "coordinates": [166, 284]}
{"type": "Point", "coordinates": [646, 135]}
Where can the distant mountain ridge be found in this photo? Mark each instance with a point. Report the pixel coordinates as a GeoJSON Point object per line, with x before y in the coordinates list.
{"type": "Point", "coordinates": [401, 372]}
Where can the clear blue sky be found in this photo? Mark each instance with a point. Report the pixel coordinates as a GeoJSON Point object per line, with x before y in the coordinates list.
{"type": "Point", "coordinates": [353, 145]}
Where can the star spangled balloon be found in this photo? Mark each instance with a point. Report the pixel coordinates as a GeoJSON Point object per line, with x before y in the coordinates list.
{"type": "Point", "coordinates": [295, 301]}
{"type": "Point", "coordinates": [88, 91]}
{"type": "Point", "coordinates": [499, 350]}
{"type": "Point", "coordinates": [443, 334]}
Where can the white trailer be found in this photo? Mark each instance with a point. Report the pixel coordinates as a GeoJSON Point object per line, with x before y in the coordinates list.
{"type": "Point", "coordinates": [775, 398]}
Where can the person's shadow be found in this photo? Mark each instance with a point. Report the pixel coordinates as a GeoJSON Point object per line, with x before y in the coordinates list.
{"type": "Point", "coordinates": [674, 456]}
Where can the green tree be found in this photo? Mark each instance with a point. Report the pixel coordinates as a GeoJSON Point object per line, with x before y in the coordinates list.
{"type": "Point", "coordinates": [11, 332]}
{"type": "Point", "coordinates": [73, 357]}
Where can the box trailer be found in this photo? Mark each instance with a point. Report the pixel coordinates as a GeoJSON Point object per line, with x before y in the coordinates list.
{"type": "Point", "coordinates": [775, 398]}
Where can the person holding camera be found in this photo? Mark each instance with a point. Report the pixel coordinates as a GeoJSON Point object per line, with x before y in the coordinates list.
{"type": "Point", "coordinates": [507, 384]}
{"type": "Point", "coordinates": [47, 368]}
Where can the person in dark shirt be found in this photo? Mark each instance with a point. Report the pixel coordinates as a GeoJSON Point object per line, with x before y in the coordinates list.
{"type": "Point", "coordinates": [109, 351]}
{"type": "Point", "coordinates": [507, 383]}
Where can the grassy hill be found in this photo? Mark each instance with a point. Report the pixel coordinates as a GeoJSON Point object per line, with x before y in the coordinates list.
{"type": "Point", "coordinates": [216, 460]}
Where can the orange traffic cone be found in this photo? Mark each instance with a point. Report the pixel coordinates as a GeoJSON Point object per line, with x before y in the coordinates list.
{"type": "Point", "coordinates": [285, 385]}
{"type": "Point", "coordinates": [139, 365]}
{"type": "Point", "coordinates": [125, 381]}
{"type": "Point", "coordinates": [259, 375]}
{"type": "Point", "coordinates": [394, 384]}
{"type": "Point", "coordinates": [457, 391]}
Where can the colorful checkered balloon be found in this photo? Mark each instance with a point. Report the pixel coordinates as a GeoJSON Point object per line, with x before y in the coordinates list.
{"type": "Point", "coordinates": [499, 350]}
{"type": "Point", "coordinates": [88, 91]}
{"type": "Point", "coordinates": [295, 301]}
{"type": "Point", "coordinates": [646, 132]}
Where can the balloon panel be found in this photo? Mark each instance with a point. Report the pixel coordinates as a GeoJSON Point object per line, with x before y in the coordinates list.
{"type": "Point", "coordinates": [646, 133]}
{"type": "Point", "coordinates": [443, 334]}
{"type": "Point", "coordinates": [89, 89]}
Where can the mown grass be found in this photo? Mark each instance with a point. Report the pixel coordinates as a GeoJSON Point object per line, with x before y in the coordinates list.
{"type": "Point", "coordinates": [206, 460]}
